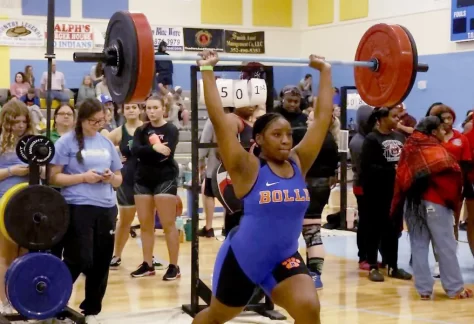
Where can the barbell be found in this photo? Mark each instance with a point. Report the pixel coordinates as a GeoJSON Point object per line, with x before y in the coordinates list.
{"type": "Point", "coordinates": [385, 66]}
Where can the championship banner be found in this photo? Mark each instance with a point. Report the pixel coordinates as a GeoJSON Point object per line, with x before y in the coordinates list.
{"type": "Point", "coordinates": [21, 33]}
{"type": "Point", "coordinates": [244, 43]}
{"type": "Point", "coordinates": [196, 39]}
{"type": "Point", "coordinates": [77, 36]}
{"type": "Point", "coordinates": [173, 36]}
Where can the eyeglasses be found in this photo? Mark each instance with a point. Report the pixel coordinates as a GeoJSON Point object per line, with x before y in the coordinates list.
{"type": "Point", "coordinates": [65, 114]}
{"type": "Point", "coordinates": [95, 122]}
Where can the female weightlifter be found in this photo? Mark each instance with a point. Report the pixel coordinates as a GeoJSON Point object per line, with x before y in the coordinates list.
{"type": "Point", "coordinates": [87, 167]}
{"type": "Point", "coordinates": [64, 117]}
{"type": "Point", "coordinates": [156, 186]}
{"type": "Point", "coordinates": [122, 138]}
{"type": "Point", "coordinates": [428, 192]}
{"type": "Point", "coordinates": [263, 250]}
{"type": "Point", "coordinates": [15, 122]}
{"type": "Point", "coordinates": [380, 153]}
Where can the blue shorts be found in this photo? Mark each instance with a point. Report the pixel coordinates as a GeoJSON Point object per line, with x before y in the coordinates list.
{"type": "Point", "coordinates": [234, 288]}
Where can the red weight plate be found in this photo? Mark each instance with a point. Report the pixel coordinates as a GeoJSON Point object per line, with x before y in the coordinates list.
{"type": "Point", "coordinates": [145, 58]}
{"type": "Point", "coordinates": [391, 46]}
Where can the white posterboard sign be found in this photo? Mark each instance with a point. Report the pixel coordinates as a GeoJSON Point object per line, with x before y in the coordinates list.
{"type": "Point", "coordinates": [354, 101]}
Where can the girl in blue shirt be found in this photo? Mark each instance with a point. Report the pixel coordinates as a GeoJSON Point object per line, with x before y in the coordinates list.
{"type": "Point", "coordinates": [87, 167]}
{"type": "Point", "coordinates": [15, 122]}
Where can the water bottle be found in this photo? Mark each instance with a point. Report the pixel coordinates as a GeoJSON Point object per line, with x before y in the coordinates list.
{"type": "Point", "coordinates": [188, 230]}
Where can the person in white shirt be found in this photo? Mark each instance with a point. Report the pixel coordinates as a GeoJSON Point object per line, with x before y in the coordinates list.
{"type": "Point", "coordinates": [58, 83]}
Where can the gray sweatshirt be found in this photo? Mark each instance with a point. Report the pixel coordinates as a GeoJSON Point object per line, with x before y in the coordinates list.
{"type": "Point", "coordinates": [355, 146]}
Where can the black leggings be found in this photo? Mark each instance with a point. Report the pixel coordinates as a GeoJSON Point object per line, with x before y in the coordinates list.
{"type": "Point", "coordinates": [88, 248]}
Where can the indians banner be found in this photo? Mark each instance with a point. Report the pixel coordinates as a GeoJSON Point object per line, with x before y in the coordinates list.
{"type": "Point", "coordinates": [21, 33]}
{"type": "Point", "coordinates": [74, 36]}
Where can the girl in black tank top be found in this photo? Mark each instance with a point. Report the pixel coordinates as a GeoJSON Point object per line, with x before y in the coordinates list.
{"type": "Point", "coordinates": [122, 137]}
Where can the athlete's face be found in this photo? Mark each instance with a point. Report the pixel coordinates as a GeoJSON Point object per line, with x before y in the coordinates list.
{"type": "Point", "coordinates": [276, 141]}
{"type": "Point", "coordinates": [131, 111]}
{"type": "Point", "coordinates": [440, 132]}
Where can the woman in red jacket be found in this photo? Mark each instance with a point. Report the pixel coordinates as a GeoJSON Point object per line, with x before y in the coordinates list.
{"type": "Point", "coordinates": [427, 192]}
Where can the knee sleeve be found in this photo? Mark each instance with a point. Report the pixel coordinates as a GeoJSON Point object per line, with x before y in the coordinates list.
{"type": "Point", "coordinates": [312, 235]}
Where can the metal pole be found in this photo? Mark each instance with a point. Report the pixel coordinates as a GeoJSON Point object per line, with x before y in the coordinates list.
{"type": "Point", "coordinates": [50, 56]}
{"type": "Point", "coordinates": [194, 192]}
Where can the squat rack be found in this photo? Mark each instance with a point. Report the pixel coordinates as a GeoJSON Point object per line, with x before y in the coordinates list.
{"type": "Point", "coordinates": [198, 288]}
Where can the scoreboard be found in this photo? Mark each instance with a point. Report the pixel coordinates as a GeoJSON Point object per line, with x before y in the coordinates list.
{"type": "Point", "coordinates": [462, 20]}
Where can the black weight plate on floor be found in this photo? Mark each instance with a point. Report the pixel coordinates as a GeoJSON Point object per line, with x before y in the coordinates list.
{"type": "Point", "coordinates": [21, 148]}
{"type": "Point", "coordinates": [37, 217]}
{"type": "Point", "coordinates": [38, 285]}
{"type": "Point", "coordinates": [40, 149]}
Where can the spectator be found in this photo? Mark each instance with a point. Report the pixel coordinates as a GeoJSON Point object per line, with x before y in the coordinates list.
{"type": "Point", "coordinates": [33, 104]}
{"type": "Point", "coordinates": [20, 87]}
{"type": "Point", "coordinates": [29, 76]}
{"type": "Point", "coordinates": [30, 98]}
{"type": "Point", "coordinates": [86, 90]}
{"type": "Point", "coordinates": [163, 69]}
{"type": "Point", "coordinates": [96, 78]}
{"type": "Point", "coordinates": [108, 104]}
{"type": "Point", "coordinates": [64, 117]}
{"type": "Point", "coordinates": [58, 83]}
{"type": "Point", "coordinates": [306, 86]}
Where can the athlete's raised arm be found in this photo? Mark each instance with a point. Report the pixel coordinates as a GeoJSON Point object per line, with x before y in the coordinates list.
{"type": "Point", "coordinates": [242, 166]}
{"type": "Point", "coordinates": [308, 149]}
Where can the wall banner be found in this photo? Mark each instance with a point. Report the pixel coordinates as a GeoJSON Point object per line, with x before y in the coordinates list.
{"type": "Point", "coordinates": [77, 36]}
{"type": "Point", "coordinates": [196, 39]}
{"type": "Point", "coordinates": [173, 36]}
{"type": "Point", "coordinates": [21, 33]}
{"type": "Point", "coordinates": [244, 43]}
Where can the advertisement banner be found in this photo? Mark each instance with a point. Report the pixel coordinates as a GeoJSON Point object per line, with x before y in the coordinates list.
{"type": "Point", "coordinates": [196, 39]}
{"type": "Point", "coordinates": [21, 33]}
{"type": "Point", "coordinates": [244, 43]}
{"type": "Point", "coordinates": [173, 36]}
{"type": "Point", "coordinates": [74, 36]}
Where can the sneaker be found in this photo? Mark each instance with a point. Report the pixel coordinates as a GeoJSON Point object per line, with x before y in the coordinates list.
{"type": "Point", "coordinates": [436, 273]}
{"type": "Point", "coordinates": [92, 319]}
{"type": "Point", "coordinates": [143, 270]}
{"type": "Point", "coordinates": [364, 265]}
{"type": "Point", "coordinates": [172, 273]}
{"type": "Point", "coordinates": [204, 232]}
{"type": "Point", "coordinates": [157, 265]}
{"type": "Point", "coordinates": [376, 276]}
{"type": "Point", "coordinates": [115, 262]}
{"type": "Point", "coordinates": [399, 274]}
{"type": "Point", "coordinates": [463, 294]}
{"type": "Point", "coordinates": [317, 280]}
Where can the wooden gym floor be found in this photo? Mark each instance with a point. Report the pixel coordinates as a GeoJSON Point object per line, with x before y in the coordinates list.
{"type": "Point", "coordinates": [348, 296]}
